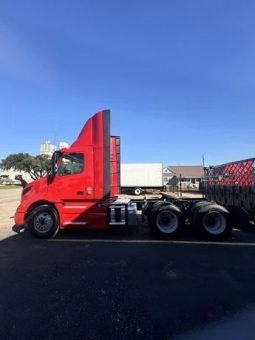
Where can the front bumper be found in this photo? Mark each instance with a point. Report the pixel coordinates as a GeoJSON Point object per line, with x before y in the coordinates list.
{"type": "Point", "coordinates": [19, 217]}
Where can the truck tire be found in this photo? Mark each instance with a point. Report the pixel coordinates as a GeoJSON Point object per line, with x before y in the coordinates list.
{"type": "Point", "coordinates": [194, 208]}
{"type": "Point", "coordinates": [138, 191]}
{"type": "Point", "coordinates": [152, 209]}
{"type": "Point", "coordinates": [43, 221]}
{"type": "Point", "coordinates": [213, 222]}
{"type": "Point", "coordinates": [166, 221]}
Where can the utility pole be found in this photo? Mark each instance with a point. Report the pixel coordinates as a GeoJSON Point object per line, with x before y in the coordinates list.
{"type": "Point", "coordinates": [203, 160]}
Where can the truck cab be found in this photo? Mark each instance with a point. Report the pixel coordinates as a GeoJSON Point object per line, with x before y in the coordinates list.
{"type": "Point", "coordinates": [77, 193]}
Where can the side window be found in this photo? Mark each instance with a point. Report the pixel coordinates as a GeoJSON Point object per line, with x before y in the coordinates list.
{"type": "Point", "coordinates": [71, 164]}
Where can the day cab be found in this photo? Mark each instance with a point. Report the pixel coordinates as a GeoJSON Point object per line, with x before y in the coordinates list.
{"type": "Point", "coordinates": [80, 190]}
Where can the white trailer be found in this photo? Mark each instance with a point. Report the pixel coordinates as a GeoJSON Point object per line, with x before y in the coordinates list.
{"type": "Point", "coordinates": [136, 177]}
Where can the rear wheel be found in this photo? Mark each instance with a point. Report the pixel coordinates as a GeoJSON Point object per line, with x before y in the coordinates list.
{"type": "Point", "coordinates": [213, 222]}
{"type": "Point", "coordinates": [152, 209]}
{"type": "Point", "coordinates": [195, 207]}
{"type": "Point", "coordinates": [138, 191]}
{"type": "Point", "coordinates": [167, 221]}
{"type": "Point", "coordinates": [43, 221]}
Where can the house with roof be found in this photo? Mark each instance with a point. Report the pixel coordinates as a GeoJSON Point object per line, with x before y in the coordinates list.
{"type": "Point", "coordinates": [189, 175]}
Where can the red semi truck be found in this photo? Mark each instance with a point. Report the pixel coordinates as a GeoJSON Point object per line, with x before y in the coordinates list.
{"type": "Point", "coordinates": [81, 189]}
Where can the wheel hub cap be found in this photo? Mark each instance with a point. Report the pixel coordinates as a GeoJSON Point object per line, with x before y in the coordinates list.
{"type": "Point", "coordinates": [43, 222]}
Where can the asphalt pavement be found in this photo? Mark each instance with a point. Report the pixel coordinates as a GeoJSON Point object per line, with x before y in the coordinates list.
{"type": "Point", "coordinates": [123, 285]}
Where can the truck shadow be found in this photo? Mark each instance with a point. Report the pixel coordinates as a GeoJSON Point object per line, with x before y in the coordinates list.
{"type": "Point", "coordinates": [141, 233]}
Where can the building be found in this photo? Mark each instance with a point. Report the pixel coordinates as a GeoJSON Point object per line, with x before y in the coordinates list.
{"type": "Point", "coordinates": [47, 148]}
{"type": "Point", "coordinates": [63, 145]}
{"type": "Point", "coordinates": [168, 175]}
{"type": "Point", "coordinates": [190, 176]}
{"type": "Point", "coordinates": [8, 176]}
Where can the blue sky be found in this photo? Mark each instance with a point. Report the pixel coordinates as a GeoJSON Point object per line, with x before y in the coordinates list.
{"type": "Point", "coordinates": [178, 76]}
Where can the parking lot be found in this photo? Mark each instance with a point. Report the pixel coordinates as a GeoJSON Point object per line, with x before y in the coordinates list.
{"type": "Point", "coordinates": [122, 284]}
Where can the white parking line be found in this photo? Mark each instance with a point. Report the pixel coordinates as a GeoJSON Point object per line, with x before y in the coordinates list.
{"type": "Point", "coordinates": [153, 242]}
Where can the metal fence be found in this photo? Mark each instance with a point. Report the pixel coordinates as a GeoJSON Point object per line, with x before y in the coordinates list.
{"type": "Point", "coordinates": [241, 173]}
{"type": "Point", "coordinates": [231, 184]}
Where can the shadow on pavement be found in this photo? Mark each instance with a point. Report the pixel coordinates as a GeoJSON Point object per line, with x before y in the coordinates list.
{"type": "Point", "coordinates": [118, 290]}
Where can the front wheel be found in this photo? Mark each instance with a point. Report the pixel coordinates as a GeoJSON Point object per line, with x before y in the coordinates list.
{"type": "Point", "coordinates": [43, 221]}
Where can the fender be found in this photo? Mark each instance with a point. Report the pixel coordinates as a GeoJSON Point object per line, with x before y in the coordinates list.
{"type": "Point", "coordinates": [212, 207]}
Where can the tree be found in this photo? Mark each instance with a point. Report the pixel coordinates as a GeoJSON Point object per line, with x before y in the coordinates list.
{"type": "Point", "coordinates": [35, 166]}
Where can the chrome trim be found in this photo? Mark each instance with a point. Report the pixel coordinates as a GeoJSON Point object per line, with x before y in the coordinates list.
{"type": "Point", "coordinates": [76, 223]}
{"type": "Point", "coordinates": [75, 207]}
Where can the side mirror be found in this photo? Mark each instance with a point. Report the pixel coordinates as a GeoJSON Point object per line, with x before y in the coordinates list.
{"type": "Point", "coordinates": [54, 162]}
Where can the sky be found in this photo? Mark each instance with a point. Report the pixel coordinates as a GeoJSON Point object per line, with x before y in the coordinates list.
{"type": "Point", "coordinates": [177, 75]}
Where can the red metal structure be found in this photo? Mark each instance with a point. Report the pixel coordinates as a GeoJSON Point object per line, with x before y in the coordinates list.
{"type": "Point", "coordinates": [232, 185]}
{"type": "Point", "coordinates": [241, 173]}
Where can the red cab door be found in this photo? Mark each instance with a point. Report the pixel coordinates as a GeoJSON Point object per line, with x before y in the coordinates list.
{"type": "Point", "coordinates": [73, 188]}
